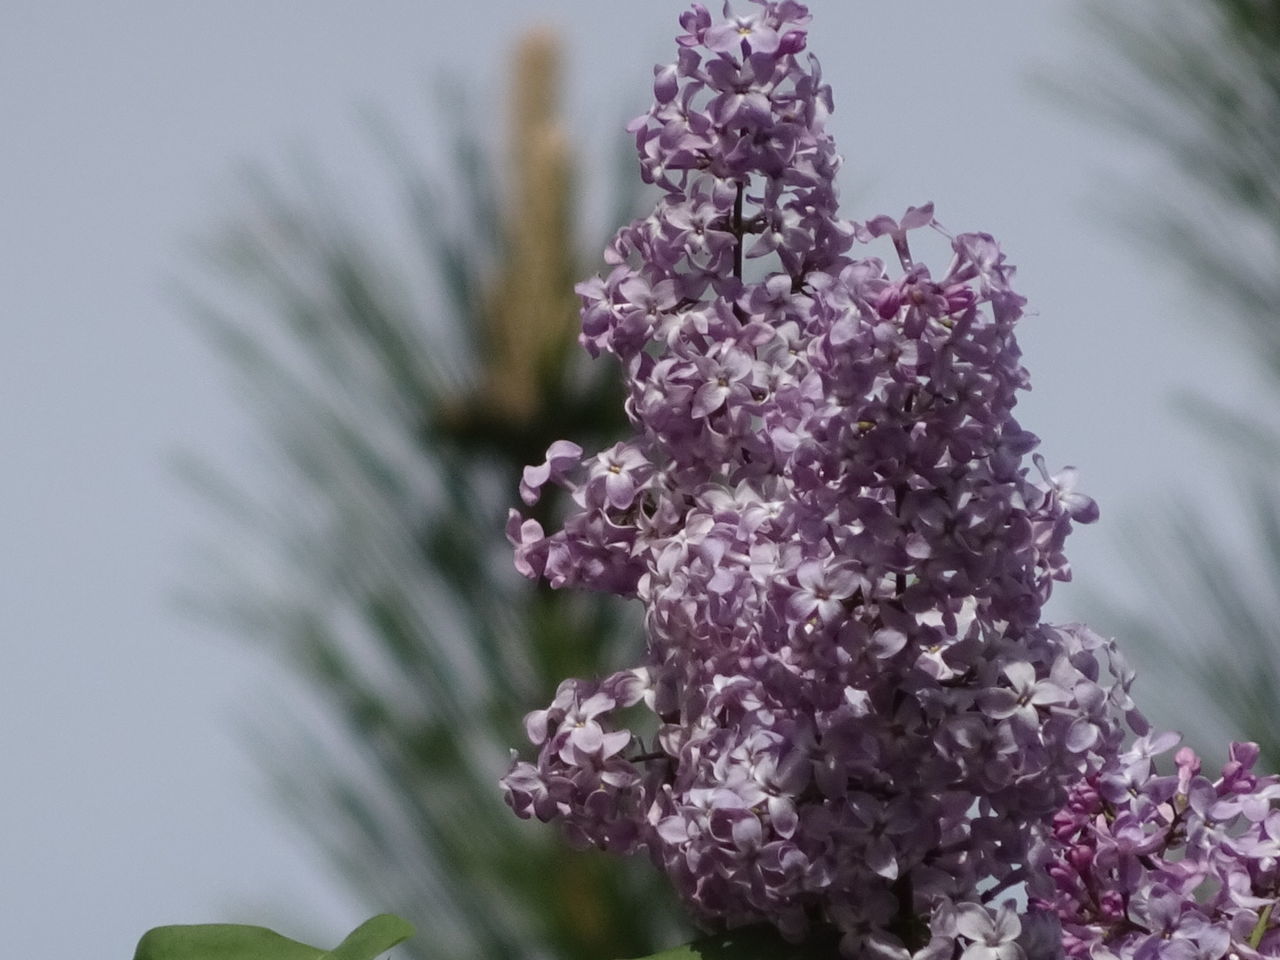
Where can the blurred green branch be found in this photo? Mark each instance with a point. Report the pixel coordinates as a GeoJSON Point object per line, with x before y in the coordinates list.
{"type": "Point", "coordinates": [371, 557]}
{"type": "Point", "coordinates": [1199, 81]}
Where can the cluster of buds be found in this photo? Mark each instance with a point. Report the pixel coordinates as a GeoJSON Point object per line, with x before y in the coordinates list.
{"type": "Point", "coordinates": [849, 709]}
{"type": "Point", "coordinates": [1166, 866]}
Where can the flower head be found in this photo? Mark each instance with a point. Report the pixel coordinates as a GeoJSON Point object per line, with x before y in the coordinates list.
{"type": "Point", "coordinates": [1172, 866]}
{"type": "Point", "coordinates": [825, 513]}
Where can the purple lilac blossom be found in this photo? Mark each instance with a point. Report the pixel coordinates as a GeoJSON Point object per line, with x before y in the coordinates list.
{"type": "Point", "coordinates": [1171, 866]}
{"type": "Point", "coordinates": [824, 509]}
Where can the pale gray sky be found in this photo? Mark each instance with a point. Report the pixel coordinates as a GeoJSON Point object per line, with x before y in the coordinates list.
{"type": "Point", "coordinates": [128, 799]}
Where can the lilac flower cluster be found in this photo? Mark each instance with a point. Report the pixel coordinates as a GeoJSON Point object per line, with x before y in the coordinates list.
{"type": "Point", "coordinates": [1166, 867]}
{"type": "Point", "coordinates": [848, 710]}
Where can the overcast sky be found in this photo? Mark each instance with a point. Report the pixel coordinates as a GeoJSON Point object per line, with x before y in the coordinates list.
{"type": "Point", "coordinates": [128, 799]}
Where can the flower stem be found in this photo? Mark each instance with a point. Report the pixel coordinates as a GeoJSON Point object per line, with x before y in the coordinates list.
{"type": "Point", "coordinates": [1260, 928]}
{"type": "Point", "coordinates": [738, 230]}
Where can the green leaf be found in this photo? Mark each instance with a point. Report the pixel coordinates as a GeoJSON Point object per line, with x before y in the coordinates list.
{"type": "Point", "coordinates": [229, 941]}
{"type": "Point", "coordinates": [221, 941]}
{"type": "Point", "coordinates": [755, 943]}
{"type": "Point", "coordinates": [372, 938]}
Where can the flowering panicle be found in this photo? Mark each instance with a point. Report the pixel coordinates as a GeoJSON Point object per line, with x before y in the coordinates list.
{"type": "Point", "coordinates": [1169, 866]}
{"type": "Point", "coordinates": [853, 711]}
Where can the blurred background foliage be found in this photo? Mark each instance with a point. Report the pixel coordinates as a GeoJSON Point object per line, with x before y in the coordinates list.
{"type": "Point", "coordinates": [398, 416]}
{"type": "Point", "coordinates": [1199, 82]}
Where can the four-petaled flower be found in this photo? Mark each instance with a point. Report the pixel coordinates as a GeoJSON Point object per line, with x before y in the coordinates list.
{"type": "Point", "coordinates": [736, 34]}
{"type": "Point", "coordinates": [992, 937]}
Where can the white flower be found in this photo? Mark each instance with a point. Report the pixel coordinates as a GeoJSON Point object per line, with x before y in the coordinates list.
{"type": "Point", "coordinates": [994, 938]}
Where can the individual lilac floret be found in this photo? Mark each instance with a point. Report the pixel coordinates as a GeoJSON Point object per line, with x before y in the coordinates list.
{"type": "Point", "coordinates": [842, 556]}
{"type": "Point", "coordinates": [1148, 865]}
